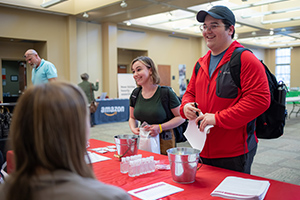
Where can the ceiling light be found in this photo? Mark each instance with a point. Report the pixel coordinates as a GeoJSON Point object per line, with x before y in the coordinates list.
{"type": "Point", "coordinates": [123, 4]}
{"type": "Point", "coordinates": [85, 15]}
{"type": "Point", "coordinates": [51, 3]}
{"type": "Point", "coordinates": [128, 23]}
{"type": "Point", "coordinates": [271, 12]}
{"type": "Point", "coordinates": [236, 36]}
{"type": "Point", "coordinates": [271, 32]}
{"type": "Point", "coordinates": [169, 15]}
{"type": "Point", "coordinates": [259, 3]}
{"type": "Point", "coordinates": [253, 33]}
{"type": "Point", "coordinates": [280, 20]}
{"type": "Point", "coordinates": [210, 5]}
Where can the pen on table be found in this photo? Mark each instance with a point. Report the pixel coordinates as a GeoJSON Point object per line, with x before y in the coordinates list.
{"type": "Point", "coordinates": [197, 114]}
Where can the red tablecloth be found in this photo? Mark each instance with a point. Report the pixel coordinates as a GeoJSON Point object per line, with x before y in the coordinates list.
{"type": "Point", "coordinates": [9, 161]}
{"type": "Point", "coordinates": [207, 179]}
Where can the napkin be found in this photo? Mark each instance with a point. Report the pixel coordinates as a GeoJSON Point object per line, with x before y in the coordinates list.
{"type": "Point", "coordinates": [241, 188]}
{"type": "Point", "coordinates": [194, 136]}
{"type": "Point", "coordinates": [94, 157]}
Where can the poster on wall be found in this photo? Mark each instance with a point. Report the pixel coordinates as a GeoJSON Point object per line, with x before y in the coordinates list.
{"type": "Point", "coordinates": [182, 82]}
{"type": "Point", "coordinates": [126, 84]}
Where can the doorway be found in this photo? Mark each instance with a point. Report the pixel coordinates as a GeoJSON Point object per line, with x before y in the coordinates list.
{"type": "Point", "coordinates": [125, 56]}
{"type": "Point", "coordinates": [164, 72]}
{"type": "Point", "coordinates": [13, 80]}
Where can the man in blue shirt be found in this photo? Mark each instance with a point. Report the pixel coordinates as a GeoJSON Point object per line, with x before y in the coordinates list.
{"type": "Point", "coordinates": [43, 71]}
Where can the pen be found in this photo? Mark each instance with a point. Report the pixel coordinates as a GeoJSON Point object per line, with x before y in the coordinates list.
{"type": "Point", "coordinates": [197, 114]}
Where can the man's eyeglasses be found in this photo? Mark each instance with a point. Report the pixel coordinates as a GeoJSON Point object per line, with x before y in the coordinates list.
{"type": "Point", "coordinates": [212, 27]}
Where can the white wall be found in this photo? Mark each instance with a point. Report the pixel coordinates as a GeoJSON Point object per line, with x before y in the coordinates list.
{"type": "Point", "coordinates": [89, 51]}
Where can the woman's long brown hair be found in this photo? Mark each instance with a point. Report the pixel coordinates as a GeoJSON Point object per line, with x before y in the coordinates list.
{"type": "Point", "coordinates": [48, 132]}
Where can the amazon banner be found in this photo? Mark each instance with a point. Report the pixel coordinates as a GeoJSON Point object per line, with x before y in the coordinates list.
{"type": "Point", "coordinates": [112, 110]}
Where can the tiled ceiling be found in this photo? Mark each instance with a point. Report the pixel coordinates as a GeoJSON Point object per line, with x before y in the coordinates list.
{"type": "Point", "coordinates": [265, 23]}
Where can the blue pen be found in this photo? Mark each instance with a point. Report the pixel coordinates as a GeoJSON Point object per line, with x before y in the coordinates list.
{"type": "Point", "coordinates": [197, 114]}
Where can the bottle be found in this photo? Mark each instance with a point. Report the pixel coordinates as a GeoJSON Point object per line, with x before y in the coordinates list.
{"type": "Point", "coordinates": [138, 167]}
{"type": "Point", "coordinates": [131, 169]}
{"type": "Point", "coordinates": [143, 166]}
{"type": "Point", "coordinates": [281, 93]}
{"type": "Point", "coordinates": [152, 164]}
{"type": "Point", "coordinates": [123, 166]}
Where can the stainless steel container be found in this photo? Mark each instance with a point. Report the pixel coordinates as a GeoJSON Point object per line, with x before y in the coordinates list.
{"type": "Point", "coordinates": [184, 163]}
{"type": "Point", "coordinates": [127, 145]}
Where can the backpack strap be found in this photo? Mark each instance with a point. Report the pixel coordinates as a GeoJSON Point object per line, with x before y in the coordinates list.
{"type": "Point", "coordinates": [134, 95]}
{"type": "Point", "coordinates": [165, 101]}
{"type": "Point", "coordinates": [197, 68]}
{"type": "Point", "coordinates": [235, 65]}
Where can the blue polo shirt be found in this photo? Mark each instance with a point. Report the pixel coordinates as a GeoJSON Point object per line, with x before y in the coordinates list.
{"type": "Point", "coordinates": [43, 72]}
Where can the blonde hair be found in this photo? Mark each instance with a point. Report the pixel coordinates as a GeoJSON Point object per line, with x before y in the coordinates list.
{"type": "Point", "coordinates": [148, 62]}
{"type": "Point", "coordinates": [48, 132]}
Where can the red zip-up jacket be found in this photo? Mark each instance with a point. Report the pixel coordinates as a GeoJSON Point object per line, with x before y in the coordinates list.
{"type": "Point", "coordinates": [235, 109]}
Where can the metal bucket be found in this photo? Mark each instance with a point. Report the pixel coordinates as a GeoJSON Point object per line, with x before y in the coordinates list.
{"type": "Point", "coordinates": [184, 164]}
{"type": "Point", "coordinates": [127, 145]}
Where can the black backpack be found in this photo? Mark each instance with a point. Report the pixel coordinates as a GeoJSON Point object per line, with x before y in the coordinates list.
{"type": "Point", "coordinates": [271, 123]}
{"type": "Point", "coordinates": [165, 99]}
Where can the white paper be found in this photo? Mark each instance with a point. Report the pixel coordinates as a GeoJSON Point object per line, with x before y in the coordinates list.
{"type": "Point", "coordinates": [241, 188]}
{"type": "Point", "coordinates": [95, 157]}
{"type": "Point", "coordinates": [195, 137]}
{"type": "Point", "coordinates": [155, 191]}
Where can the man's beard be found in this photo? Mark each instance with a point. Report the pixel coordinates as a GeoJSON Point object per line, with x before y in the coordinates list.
{"type": "Point", "coordinates": [34, 66]}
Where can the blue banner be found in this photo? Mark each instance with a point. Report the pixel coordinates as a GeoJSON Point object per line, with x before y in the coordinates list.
{"type": "Point", "coordinates": [112, 110]}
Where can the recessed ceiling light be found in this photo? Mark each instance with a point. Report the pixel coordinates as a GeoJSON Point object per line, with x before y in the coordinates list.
{"type": "Point", "coordinates": [85, 15]}
{"type": "Point", "coordinates": [123, 4]}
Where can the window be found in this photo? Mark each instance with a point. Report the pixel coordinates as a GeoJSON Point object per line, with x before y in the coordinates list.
{"type": "Point", "coordinates": [283, 68]}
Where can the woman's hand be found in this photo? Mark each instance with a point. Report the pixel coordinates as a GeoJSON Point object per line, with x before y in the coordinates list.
{"type": "Point", "coordinates": [154, 129]}
{"type": "Point", "coordinates": [136, 131]}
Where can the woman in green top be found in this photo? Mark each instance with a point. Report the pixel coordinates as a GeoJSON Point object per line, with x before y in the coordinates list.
{"type": "Point", "coordinates": [148, 106]}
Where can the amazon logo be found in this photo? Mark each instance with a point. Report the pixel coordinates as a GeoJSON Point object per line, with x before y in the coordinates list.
{"type": "Point", "coordinates": [112, 110]}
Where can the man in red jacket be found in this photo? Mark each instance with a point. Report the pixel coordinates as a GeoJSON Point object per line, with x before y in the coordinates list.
{"type": "Point", "coordinates": [232, 142]}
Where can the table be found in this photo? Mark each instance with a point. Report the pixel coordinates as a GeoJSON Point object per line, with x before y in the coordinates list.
{"type": "Point", "coordinates": [207, 179]}
{"type": "Point", "coordinates": [296, 102]}
{"type": "Point", "coordinates": [112, 110]}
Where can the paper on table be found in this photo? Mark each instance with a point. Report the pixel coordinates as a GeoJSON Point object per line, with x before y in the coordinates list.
{"type": "Point", "coordinates": [155, 191]}
{"type": "Point", "coordinates": [241, 188]}
{"type": "Point", "coordinates": [195, 137]}
{"type": "Point", "coordinates": [95, 157]}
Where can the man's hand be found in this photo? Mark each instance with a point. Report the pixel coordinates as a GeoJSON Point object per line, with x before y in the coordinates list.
{"type": "Point", "coordinates": [190, 111]}
{"type": "Point", "coordinates": [206, 119]}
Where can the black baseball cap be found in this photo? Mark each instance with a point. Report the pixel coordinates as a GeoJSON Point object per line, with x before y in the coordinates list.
{"type": "Point", "coordinates": [218, 12]}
